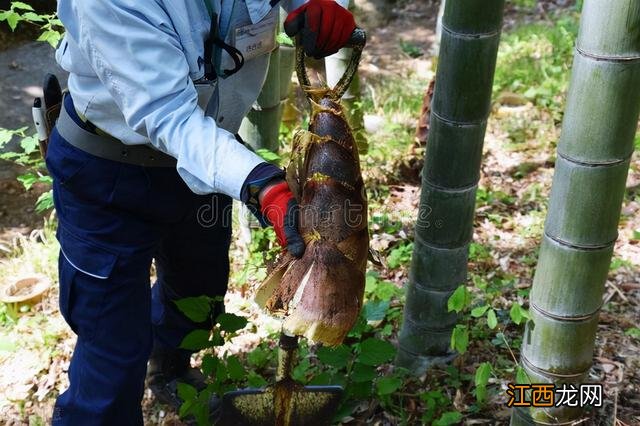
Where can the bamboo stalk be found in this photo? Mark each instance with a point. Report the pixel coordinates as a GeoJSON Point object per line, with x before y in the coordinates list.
{"type": "Point", "coordinates": [290, 113]}
{"type": "Point", "coordinates": [460, 108]}
{"type": "Point", "coordinates": [261, 127]}
{"type": "Point", "coordinates": [594, 152]}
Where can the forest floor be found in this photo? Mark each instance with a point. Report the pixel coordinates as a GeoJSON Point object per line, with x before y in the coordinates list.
{"type": "Point", "coordinates": [518, 161]}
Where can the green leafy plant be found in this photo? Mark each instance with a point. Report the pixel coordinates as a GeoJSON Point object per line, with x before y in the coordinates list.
{"type": "Point", "coordinates": [52, 32]}
{"type": "Point", "coordinates": [482, 376]}
{"type": "Point", "coordinates": [52, 29]}
{"type": "Point", "coordinates": [30, 158]}
{"type": "Point", "coordinates": [226, 373]}
{"type": "Point", "coordinates": [400, 255]}
{"type": "Point", "coordinates": [284, 39]}
{"type": "Point", "coordinates": [534, 61]}
{"type": "Point", "coordinates": [633, 332]}
{"type": "Point", "coordinates": [411, 49]}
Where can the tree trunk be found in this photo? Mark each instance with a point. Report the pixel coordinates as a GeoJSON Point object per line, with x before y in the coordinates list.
{"type": "Point", "coordinates": [588, 188]}
{"type": "Point", "coordinates": [461, 105]}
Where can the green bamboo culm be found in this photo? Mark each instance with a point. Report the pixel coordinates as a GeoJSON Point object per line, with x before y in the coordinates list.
{"type": "Point", "coordinates": [444, 228]}
{"type": "Point", "coordinates": [335, 66]}
{"type": "Point", "coordinates": [588, 187]}
{"type": "Point", "coordinates": [261, 127]}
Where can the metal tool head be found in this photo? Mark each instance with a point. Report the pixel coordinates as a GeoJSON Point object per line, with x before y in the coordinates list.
{"type": "Point", "coordinates": [295, 405]}
{"type": "Point", "coordinates": [287, 403]}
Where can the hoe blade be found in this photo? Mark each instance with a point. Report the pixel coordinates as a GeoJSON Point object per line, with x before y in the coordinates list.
{"type": "Point", "coordinates": [285, 404]}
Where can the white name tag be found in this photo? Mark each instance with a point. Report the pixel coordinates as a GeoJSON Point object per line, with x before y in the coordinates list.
{"type": "Point", "coordinates": [257, 39]}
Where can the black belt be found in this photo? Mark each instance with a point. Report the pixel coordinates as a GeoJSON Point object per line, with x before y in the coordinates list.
{"type": "Point", "coordinates": [110, 148]}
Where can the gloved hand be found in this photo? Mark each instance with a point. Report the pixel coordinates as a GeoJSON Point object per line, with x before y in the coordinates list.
{"type": "Point", "coordinates": [279, 206]}
{"type": "Point", "coordinates": [324, 27]}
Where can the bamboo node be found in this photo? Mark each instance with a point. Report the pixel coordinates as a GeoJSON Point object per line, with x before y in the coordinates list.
{"type": "Point", "coordinates": [316, 109]}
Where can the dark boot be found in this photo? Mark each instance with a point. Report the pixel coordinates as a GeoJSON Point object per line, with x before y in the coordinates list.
{"type": "Point", "coordinates": [166, 368]}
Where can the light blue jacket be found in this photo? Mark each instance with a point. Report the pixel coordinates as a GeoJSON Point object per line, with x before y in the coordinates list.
{"type": "Point", "coordinates": [133, 65]}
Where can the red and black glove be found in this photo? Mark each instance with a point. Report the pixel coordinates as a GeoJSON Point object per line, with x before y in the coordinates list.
{"type": "Point", "coordinates": [324, 27]}
{"type": "Point", "coordinates": [279, 206]}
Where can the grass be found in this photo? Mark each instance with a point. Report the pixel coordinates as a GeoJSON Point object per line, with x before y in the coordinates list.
{"type": "Point", "coordinates": [535, 60]}
{"type": "Point", "coordinates": [37, 253]}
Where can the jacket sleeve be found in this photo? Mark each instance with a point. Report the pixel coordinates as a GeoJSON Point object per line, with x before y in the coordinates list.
{"type": "Point", "coordinates": [135, 52]}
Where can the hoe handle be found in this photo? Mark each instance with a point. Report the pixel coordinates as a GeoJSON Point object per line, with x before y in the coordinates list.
{"type": "Point", "coordinates": [287, 354]}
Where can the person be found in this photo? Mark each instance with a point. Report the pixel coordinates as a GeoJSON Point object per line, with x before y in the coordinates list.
{"type": "Point", "coordinates": [145, 164]}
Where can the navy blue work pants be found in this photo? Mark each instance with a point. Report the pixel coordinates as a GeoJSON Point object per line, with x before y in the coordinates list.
{"type": "Point", "coordinates": [114, 218]}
